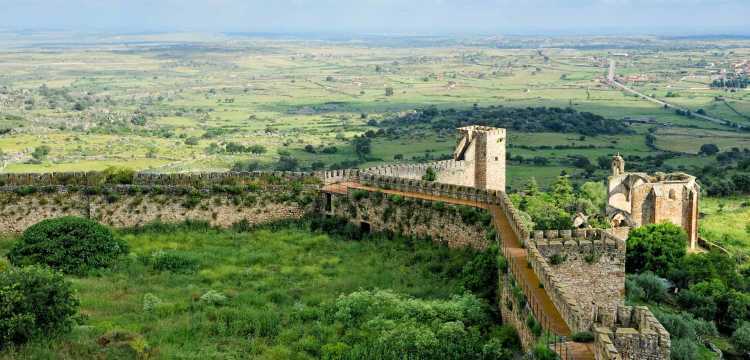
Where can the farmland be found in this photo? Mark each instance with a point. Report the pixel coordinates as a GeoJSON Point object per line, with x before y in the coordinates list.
{"type": "Point", "coordinates": [171, 102]}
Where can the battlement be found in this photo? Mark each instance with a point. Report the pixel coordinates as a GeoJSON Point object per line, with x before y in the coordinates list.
{"type": "Point", "coordinates": [448, 171]}
{"type": "Point", "coordinates": [583, 271]}
{"type": "Point", "coordinates": [479, 128]}
{"type": "Point", "coordinates": [635, 334]}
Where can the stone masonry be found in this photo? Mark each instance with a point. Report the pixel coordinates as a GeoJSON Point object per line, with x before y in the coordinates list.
{"type": "Point", "coordinates": [637, 199]}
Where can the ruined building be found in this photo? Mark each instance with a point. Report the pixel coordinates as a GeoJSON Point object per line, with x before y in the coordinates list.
{"type": "Point", "coordinates": [637, 199]}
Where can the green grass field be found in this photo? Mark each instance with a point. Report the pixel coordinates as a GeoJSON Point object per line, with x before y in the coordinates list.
{"type": "Point", "coordinates": [278, 284]}
{"type": "Point", "coordinates": [285, 95]}
{"type": "Point", "coordinates": [727, 222]}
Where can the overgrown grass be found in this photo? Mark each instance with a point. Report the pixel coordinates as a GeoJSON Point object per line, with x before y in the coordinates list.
{"type": "Point", "coordinates": [258, 294]}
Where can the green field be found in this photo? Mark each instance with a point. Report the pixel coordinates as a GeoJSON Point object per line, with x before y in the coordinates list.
{"type": "Point", "coordinates": [279, 286]}
{"type": "Point", "coordinates": [96, 103]}
{"type": "Point", "coordinates": [726, 221]}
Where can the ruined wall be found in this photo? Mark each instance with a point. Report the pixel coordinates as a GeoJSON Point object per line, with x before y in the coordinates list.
{"type": "Point", "coordinates": [583, 272]}
{"type": "Point", "coordinates": [452, 225]}
{"type": "Point", "coordinates": [636, 334]}
{"type": "Point", "coordinates": [172, 198]}
{"type": "Point", "coordinates": [19, 212]}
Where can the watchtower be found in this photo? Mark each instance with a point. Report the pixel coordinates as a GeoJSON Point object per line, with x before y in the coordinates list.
{"type": "Point", "coordinates": [483, 150]}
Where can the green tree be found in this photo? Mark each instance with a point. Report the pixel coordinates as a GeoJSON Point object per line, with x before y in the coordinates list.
{"type": "Point", "coordinates": [362, 146]}
{"type": "Point", "coordinates": [429, 175]}
{"type": "Point", "coordinates": [709, 149]}
{"type": "Point", "coordinates": [562, 192]}
{"type": "Point", "coordinates": [532, 187]}
{"type": "Point", "coordinates": [656, 247]}
{"type": "Point", "coordinates": [741, 337]}
{"type": "Point", "coordinates": [40, 152]}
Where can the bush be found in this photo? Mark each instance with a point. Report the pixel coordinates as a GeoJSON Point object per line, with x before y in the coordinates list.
{"type": "Point", "coordinates": [741, 337]}
{"type": "Point", "coordinates": [173, 261]}
{"type": "Point", "coordinates": [654, 288]}
{"type": "Point", "coordinates": [213, 297]}
{"type": "Point", "coordinates": [685, 326]}
{"type": "Point", "coordinates": [391, 325]}
{"type": "Point", "coordinates": [684, 349]}
{"type": "Point", "coordinates": [116, 175]}
{"type": "Point", "coordinates": [480, 275]}
{"type": "Point", "coordinates": [70, 244]}
{"type": "Point", "coordinates": [34, 301]}
{"type": "Point", "coordinates": [583, 337]}
{"type": "Point", "coordinates": [657, 248]}
{"type": "Point", "coordinates": [542, 352]}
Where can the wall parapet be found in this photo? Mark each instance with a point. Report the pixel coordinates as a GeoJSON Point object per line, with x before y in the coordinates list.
{"type": "Point", "coordinates": [547, 243]}
{"type": "Point", "coordinates": [95, 178]}
{"type": "Point", "coordinates": [637, 334]}
{"type": "Point", "coordinates": [578, 237]}
{"type": "Point", "coordinates": [414, 171]}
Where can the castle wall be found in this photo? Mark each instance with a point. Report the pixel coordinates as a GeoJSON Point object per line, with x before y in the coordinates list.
{"type": "Point", "coordinates": [581, 288]}
{"type": "Point", "coordinates": [588, 283]}
{"type": "Point", "coordinates": [230, 199]}
{"type": "Point", "coordinates": [442, 223]}
{"type": "Point", "coordinates": [636, 334]}
{"type": "Point", "coordinates": [448, 171]}
{"type": "Point", "coordinates": [18, 212]}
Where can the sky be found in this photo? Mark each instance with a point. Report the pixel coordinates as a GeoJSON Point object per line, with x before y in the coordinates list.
{"type": "Point", "coordinates": [417, 17]}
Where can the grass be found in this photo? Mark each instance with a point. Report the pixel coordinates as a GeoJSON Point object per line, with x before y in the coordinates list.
{"type": "Point", "coordinates": [277, 285]}
{"type": "Point", "coordinates": [727, 222]}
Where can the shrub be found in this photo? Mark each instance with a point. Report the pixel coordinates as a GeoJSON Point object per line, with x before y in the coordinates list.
{"type": "Point", "coordinates": [480, 275]}
{"type": "Point", "coordinates": [392, 325]}
{"type": "Point", "coordinates": [213, 297]}
{"type": "Point", "coordinates": [741, 337]}
{"type": "Point", "coordinates": [117, 175]}
{"type": "Point", "coordinates": [70, 244]}
{"type": "Point", "coordinates": [583, 337]}
{"type": "Point", "coordinates": [150, 302]}
{"type": "Point", "coordinates": [557, 259]}
{"type": "Point", "coordinates": [542, 352]}
{"type": "Point", "coordinates": [685, 349]}
{"type": "Point", "coordinates": [656, 247]}
{"type": "Point", "coordinates": [654, 288]}
{"type": "Point", "coordinates": [684, 325]}
{"type": "Point", "coordinates": [173, 261]}
{"type": "Point", "coordinates": [34, 301]}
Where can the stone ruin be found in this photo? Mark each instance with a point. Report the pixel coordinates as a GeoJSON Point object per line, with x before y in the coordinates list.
{"type": "Point", "coordinates": [637, 199]}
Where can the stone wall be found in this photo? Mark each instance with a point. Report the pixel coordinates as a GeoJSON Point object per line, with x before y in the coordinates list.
{"type": "Point", "coordinates": [443, 223]}
{"type": "Point", "coordinates": [636, 334]}
{"type": "Point", "coordinates": [583, 272]}
{"type": "Point", "coordinates": [128, 205]}
{"type": "Point", "coordinates": [448, 171]}
{"type": "Point", "coordinates": [515, 313]}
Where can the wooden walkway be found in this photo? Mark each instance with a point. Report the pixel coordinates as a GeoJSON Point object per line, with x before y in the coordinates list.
{"type": "Point", "coordinates": [539, 301]}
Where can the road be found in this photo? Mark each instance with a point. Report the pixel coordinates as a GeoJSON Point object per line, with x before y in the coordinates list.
{"type": "Point", "coordinates": [613, 82]}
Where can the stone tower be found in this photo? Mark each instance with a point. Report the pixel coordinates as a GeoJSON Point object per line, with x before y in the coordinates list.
{"type": "Point", "coordinates": [483, 150]}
